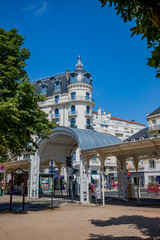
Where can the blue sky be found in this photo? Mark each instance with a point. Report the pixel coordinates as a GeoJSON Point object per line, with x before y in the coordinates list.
{"type": "Point", "coordinates": [56, 32]}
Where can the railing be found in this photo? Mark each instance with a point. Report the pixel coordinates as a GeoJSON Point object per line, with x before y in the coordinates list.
{"type": "Point", "coordinates": [71, 113]}
{"type": "Point", "coordinates": [51, 102]}
{"type": "Point", "coordinates": [155, 127]}
{"type": "Point", "coordinates": [88, 113]}
{"type": "Point", "coordinates": [83, 98]}
{"type": "Point", "coordinates": [54, 116]}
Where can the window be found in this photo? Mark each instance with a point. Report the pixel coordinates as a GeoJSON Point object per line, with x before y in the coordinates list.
{"type": "Point", "coordinates": [56, 99]}
{"type": "Point", "coordinates": [87, 96]}
{"type": "Point", "coordinates": [56, 112]}
{"type": "Point", "coordinates": [87, 79]}
{"type": "Point", "coordinates": [43, 89]}
{"type": "Point", "coordinates": [73, 78]}
{"type": "Point", "coordinates": [73, 96]}
{"type": "Point", "coordinates": [151, 164]}
{"type": "Point", "coordinates": [88, 121]}
{"type": "Point", "coordinates": [57, 85]}
{"type": "Point", "coordinates": [73, 109]}
{"type": "Point", "coordinates": [73, 122]}
{"type": "Point", "coordinates": [74, 156]}
{"type": "Point", "coordinates": [26, 156]}
{"type": "Point", "coordinates": [87, 110]}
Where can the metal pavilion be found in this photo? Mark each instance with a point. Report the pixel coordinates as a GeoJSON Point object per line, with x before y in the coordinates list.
{"type": "Point", "coordinates": [65, 140]}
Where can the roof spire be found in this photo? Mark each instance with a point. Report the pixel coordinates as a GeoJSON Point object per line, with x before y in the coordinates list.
{"type": "Point", "coordinates": [79, 64]}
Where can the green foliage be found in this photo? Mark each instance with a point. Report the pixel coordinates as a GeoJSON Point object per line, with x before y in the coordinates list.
{"type": "Point", "coordinates": [20, 115]}
{"type": "Point", "coordinates": [146, 15]}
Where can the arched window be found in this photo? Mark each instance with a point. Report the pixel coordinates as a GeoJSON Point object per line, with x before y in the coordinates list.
{"type": "Point", "coordinates": [56, 112]}
{"type": "Point", "coordinates": [87, 109]}
{"type": "Point", "coordinates": [73, 96]}
{"type": "Point", "coordinates": [87, 79]}
{"type": "Point", "coordinates": [73, 109]}
{"type": "Point", "coordinates": [87, 96]}
{"type": "Point", "coordinates": [88, 121]}
{"type": "Point", "coordinates": [73, 122]}
{"type": "Point", "coordinates": [151, 164]}
{"type": "Point", "coordinates": [73, 78]}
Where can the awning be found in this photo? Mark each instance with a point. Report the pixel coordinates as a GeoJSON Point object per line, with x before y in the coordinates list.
{"type": "Point", "coordinates": [95, 177]}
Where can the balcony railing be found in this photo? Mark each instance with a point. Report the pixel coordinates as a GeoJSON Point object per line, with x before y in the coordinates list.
{"type": "Point", "coordinates": [72, 113]}
{"type": "Point", "coordinates": [90, 114]}
{"type": "Point", "coordinates": [51, 102]}
{"type": "Point", "coordinates": [155, 127]}
{"type": "Point", "coordinates": [55, 116]}
{"type": "Point", "coordinates": [83, 98]}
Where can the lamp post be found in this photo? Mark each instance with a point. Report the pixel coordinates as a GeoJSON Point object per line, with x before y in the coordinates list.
{"type": "Point", "coordinates": [52, 165]}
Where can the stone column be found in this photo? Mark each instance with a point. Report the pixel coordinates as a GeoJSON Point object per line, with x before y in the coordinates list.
{"type": "Point", "coordinates": [34, 176]}
{"type": "Point", "coordinates": [122, 179]}
{"type": "Point", "coordinates": [84, 191]}
{"type": "Point", "coordinates": [102, 158]}
{"type": "Point", "coordinates": [136, 162]}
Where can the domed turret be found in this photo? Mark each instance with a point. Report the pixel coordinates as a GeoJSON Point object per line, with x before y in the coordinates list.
{"type": "Point", "coordinates": [80, 75]}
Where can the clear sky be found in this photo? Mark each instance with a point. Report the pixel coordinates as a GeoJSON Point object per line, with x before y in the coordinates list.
{"type": "Point", "coordinates": [56, 32]}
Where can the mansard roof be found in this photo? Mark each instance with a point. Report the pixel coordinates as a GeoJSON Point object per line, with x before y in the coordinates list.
{"type": "Point", "coordinates": [50, 85]}
{"type": "Point", "coordinates": [143, 133]}
{"type": "Point", "coordinates": [155, 112]}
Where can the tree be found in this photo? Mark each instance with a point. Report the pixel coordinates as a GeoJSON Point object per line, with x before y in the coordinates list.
{"type": "Point", "coordinates": [146, 14]}
{"type": "Point", "coordinates": [20, 116]}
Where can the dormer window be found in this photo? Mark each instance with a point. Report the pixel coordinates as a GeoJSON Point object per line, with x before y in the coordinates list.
{"type": "Point", "coordinates": [73, 78]}
{"type": "Point", "coordinates": [57, 84]}
{"type": "Point", "coordinates": [43, 88]}
{"type": "Point", "coordinates": [87, 79]}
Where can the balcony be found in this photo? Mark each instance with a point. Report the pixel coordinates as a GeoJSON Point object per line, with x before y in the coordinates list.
{"type": "Point", "coordinates": [72, 113]}
{"type": "Point", "coordinates": [88, 114]}
{"type": "Point", "coordinates": [55, 116]}
{"type": "Point", "coordinates": [81, 98]}
{"type": "Point", "coordinates": [51, 102]}
{"type": "Point", "coordinates": [154, 127]}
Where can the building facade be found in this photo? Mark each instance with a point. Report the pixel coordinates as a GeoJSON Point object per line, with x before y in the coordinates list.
{"type": "Point", "coordinates": [69, 103]}
{"type": "Point", "coordinates": [149, 169]}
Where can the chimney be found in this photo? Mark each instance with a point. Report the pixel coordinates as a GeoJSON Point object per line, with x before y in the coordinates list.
{"type": "Point", "coordinates": [67, 74]}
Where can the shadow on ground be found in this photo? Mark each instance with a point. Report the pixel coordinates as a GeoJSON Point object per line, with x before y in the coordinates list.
{"type": "Point", "coordinates": [110, 237]}
{"type": "Point", "coordinates": [149, 227]}
{"type": "Point", "coordinates": [144, 202]}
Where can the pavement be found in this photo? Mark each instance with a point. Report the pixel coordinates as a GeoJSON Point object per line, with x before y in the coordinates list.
{"type": "Point", "coordinates": [117, 220]}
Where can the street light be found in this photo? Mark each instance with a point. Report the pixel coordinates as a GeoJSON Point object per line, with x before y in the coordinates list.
{"type": "Point", "coordinates": [52, 165]}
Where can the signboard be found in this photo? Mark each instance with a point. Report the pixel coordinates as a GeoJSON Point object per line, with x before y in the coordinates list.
{"type": "Point", "coordinates": [45, 183]}
{"type": "Point", "coordinates": [98, 193]}
{"type": "Point", "coordinates": [52, 163]}
{"type": "Point", "coordinates": [2, 168]}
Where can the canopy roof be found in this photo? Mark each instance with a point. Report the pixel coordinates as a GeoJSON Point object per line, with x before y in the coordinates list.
{"type": "Point", "coordinates": [65, 140]}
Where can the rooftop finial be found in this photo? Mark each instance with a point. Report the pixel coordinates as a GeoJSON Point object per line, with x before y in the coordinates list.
{"type": "Point", "coordinates": [79, 64]}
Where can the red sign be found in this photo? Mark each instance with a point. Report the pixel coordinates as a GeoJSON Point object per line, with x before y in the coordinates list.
{"type": "Point", "coordinates": [1, 167]}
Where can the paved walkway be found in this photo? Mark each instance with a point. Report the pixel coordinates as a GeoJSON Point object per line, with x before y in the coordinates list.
{"type": "Point", "coordinates": [75, 222]}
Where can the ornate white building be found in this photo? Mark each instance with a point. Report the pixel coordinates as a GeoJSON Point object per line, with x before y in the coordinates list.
{"type": "Point", "coordinates": [69, 103]}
